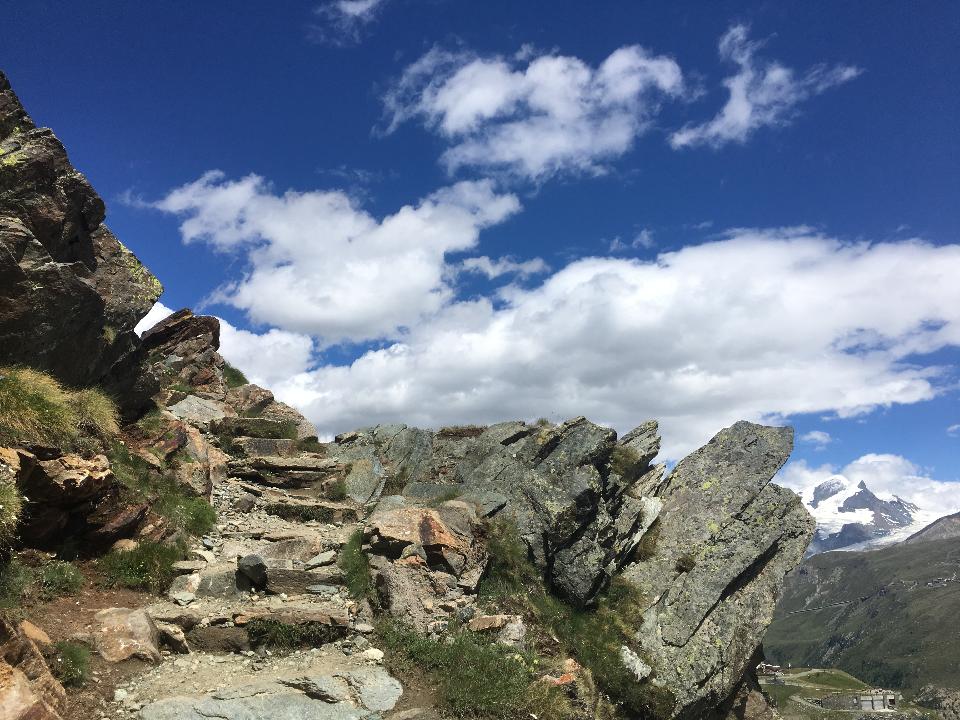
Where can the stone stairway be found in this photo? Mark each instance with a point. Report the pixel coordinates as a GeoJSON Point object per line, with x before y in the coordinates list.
{"type": "Point", "coordinates": [267, 573]}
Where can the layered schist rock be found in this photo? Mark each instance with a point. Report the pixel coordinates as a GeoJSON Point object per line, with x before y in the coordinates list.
{"type": "Point", "coordinates": [70, 292]}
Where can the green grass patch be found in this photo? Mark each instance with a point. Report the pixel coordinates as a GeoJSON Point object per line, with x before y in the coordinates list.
{"type": "Point", "coordinates": [273, 633]}
{"type": "Point", "coordinates": [164, 494]}
{"type": "Point", "coordinates": [21, 583]}
{"type": "Point", "coordinates": [300, 513]}
{"type": "Point", "coordinates": [310, 444]}
{"type": "Point", "coordinates": [149, 566]}
{"type": "Point", "coordinates": [58, 578]}
{"type": "Point", "coordinates": [36, 409]}
{"type": "Point", "coordinates": [153, 423]}
{"type": "Point", "coordinates": [16, 580]}
{"type": "Point", "coordinates": [234, 377]}
{"type": "Point", "coordinates": [71, 663]}
{"type": "Point", "coordinates": [11, 504]}
{"type": "Point", "coordinates": [355, 565]}
{"type": "Point", "coordinates": [593, 636]}
{"type": "Point", "coordinates": [475, 678]}
{"type": "Point", "coordinates": [338, 491]}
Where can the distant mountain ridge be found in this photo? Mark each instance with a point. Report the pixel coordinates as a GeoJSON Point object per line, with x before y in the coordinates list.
{"type": "Point", "coordinates": [851, 517]}
{"type": "Point", "coordinates": [945, 528]}
{"type": "Point", "coordinates": [887, 616]}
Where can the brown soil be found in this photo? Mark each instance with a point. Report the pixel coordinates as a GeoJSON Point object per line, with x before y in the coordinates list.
{"type": "Point", "coordinates": [66, 617]}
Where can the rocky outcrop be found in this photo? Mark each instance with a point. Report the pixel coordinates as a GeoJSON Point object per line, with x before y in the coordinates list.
{"type": "Point", "coordinates": [706, 547]}
{"type": "Point", "coordinates": [67, 495]}
{"type": "Point", "coordinates": [70, 292]}
{"type": "Point", "coordinates": [182, 354]}
{"type": "Point", "coordinates": [715, 566]}
{"type": "Point", "coordinates": [28, 691]}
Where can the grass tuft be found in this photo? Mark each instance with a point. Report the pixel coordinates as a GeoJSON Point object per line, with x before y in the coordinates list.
{"type": "Point", "coordinates": [310, 444]}
{"type": "Point", "coordinates": [36, 409]}
{"type": "Point", "coordinates": [16, 580]}
{"type": "Point", "coordinates": [11, 504]}
{"type": "Point", "coordinates": [96, 413]}
{"type": "Point", "coordinates": [300, 513]}
{"type": "Point", "coordinates": [273, 633]}
{"type": "Point", "coordinates": [338, 490]}
{"type": "Point", "coordinates": [233, 376]}
{"type": "Point", "coordinates": [355, 565]}
{"type": "Point", "coordinates": [71, 663]}
{"type": "Point", "coordinates": [184, 512]}
{"type": "Point", "coordinates": [475, 678]}
{"type": "Point", "coordinates": [149, 566]}
{"type": "Point", "coordinates": [59, 578]}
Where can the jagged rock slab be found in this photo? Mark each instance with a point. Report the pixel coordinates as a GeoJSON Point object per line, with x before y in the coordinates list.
{"type": "Point", "coordinates": [724, 541]}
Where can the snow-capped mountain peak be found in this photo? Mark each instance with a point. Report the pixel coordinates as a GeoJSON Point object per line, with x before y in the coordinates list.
{"type": "Point", "coordinates": [849, 516]}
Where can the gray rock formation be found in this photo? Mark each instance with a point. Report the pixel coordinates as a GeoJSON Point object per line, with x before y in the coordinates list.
{"type": "Point", "coordinates": [70, 292]}
{"type": "Point", "coordinates": [707, 547]}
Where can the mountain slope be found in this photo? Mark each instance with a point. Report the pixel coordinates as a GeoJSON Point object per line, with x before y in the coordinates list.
{"type": "Point", "coordinates": [942, 529]}
{"type": "Point", "coordinates": [887, 616]}
{"type": "Point", "coordinates": [850, 516]}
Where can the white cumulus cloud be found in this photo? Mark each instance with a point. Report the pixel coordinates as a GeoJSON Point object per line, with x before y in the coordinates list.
{"type": "Point", "coordinates": [762, 93]}
{"type": "Point", "coordinates": [759, 325]}
{"type": "Point", "coordinates": [492, 269]}
{"type": "Point", "coordinates": [319, 264]}
{"type": "Point", "coordinates": [534, 115]}
{"type": "Point", "coordinates": [954, 430]}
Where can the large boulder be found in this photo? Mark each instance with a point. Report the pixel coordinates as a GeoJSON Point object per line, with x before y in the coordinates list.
{"type": "Point", "coordinates": [70, 496]}
{"type": "Point", "coordinates": [124, 633]}
{"type": "Point", "coordinates": [70, 292]}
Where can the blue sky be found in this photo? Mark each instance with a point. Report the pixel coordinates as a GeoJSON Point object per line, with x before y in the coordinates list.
{"type": "Point", "coordinates": [693, 211]}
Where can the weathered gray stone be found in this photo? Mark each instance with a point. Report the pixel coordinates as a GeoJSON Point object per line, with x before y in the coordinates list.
{"type": "Point", "coordinates": [199, 411]}
{"type": "Point", "coordinates": [376, 689]}
{"type": "Point", "coordinates": [325, 558]}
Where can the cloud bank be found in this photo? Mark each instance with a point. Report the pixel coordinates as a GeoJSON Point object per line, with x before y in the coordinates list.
{"type": "Point", "coordinates": [319, 264]}
{"type": "Point", "coordinates": [698, 337]}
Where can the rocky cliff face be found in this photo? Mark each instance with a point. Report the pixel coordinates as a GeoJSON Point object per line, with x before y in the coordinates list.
{"type": "Point", "coordinates": [70, 292]}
